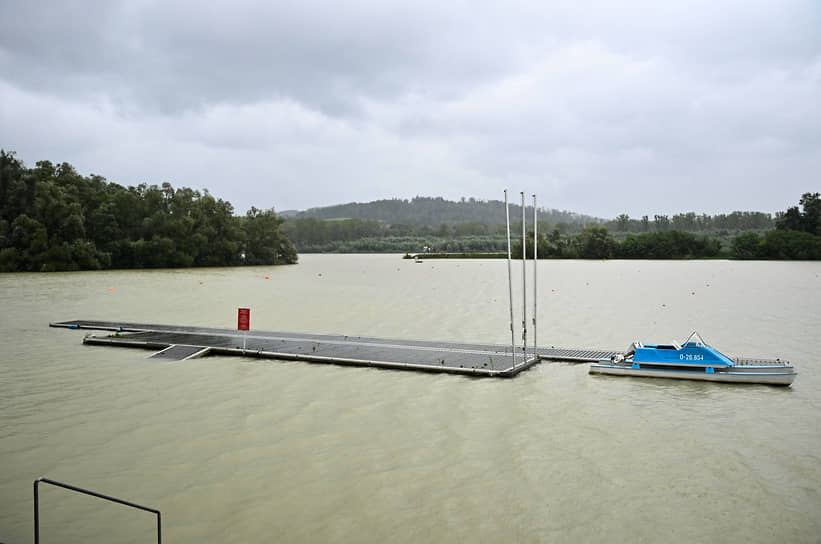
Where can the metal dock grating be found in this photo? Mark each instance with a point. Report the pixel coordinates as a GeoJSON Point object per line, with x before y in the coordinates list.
{"type": "Point", "coordinates": [180, 342]}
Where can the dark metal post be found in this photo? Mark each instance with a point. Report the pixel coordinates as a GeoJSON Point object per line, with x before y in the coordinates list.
{"type": "Point", "coordinates": [36, 514]}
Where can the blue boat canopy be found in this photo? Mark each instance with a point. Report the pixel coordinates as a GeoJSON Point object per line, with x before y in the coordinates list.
{"type": "Point", "coordinates": [694, 351]}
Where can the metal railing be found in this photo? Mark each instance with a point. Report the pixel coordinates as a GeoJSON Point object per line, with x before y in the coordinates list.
{"type": "Point", "coordinates": [93, 494]}
{"type": "Point", "coordinates": [746, 361]}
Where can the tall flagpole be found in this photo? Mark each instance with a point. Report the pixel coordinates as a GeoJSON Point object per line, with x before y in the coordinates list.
{"type": "Point", "coordinates": [524, 279]}
{"type": "Point", "coordinates": [510, 282]}
{"type": "Point", "coordinates": [535, 276]}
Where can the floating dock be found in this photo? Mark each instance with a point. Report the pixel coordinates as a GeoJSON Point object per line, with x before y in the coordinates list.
{"type": "Point", "coordinates": [172, 342]}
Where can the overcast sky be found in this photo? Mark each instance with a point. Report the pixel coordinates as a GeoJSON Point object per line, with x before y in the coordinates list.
{"type": "Point", "coordinates": [599, 107]}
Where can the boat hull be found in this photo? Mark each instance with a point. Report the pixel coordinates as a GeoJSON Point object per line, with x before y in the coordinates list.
{"type": "Point", "coordinates": [738, 374]}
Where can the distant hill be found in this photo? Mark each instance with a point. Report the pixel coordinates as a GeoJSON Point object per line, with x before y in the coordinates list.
{"type": "Point", "coordinates": [430, 211]}
{"type": "Point", "coordinates": [286, 214]}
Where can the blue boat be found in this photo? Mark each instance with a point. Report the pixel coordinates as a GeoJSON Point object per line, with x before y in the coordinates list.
{"type": "Point", "coordinates": [693, 360]}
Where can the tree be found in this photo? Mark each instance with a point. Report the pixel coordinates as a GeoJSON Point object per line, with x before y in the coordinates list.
{"type": "Point", "coordinates": [790, 244]}
{"type": "Point", "coordinates": [685, 222]}
{"type": "Point", "coordinates": [789, 220]}
{"type": "Point", "coordinates": [623, 222]}
{"type": "Point", "coordinates": [811, 215]}
{"type": "Point", "coordinates": [264, 244]}
{"type": "Point", "coordinates": [806, 220]}
{"type": "Point", "coordinates": [745, 246]}
{"type": "Point", "coordinates": [662, 222]}
{"type": "Point", "coordinates": [595, 242]}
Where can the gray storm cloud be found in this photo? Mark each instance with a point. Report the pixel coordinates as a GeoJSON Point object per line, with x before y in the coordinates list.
{"type": "Point", "coordinates": [599, 107]}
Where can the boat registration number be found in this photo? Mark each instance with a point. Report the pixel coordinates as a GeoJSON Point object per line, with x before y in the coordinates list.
{"type": "Point", "coordinates": [691, 357]}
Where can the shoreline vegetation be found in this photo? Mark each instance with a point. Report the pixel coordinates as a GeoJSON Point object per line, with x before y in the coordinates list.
{"type": "Point", "coordinates": [54, 219]}
{"type": "Point", "coordinates": [791, 235]}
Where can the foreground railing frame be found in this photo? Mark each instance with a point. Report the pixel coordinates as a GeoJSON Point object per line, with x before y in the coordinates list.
{"type": "Point", "coordinates": [93, 494]}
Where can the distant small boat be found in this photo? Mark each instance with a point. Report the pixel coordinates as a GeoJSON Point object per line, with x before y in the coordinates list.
{"type": "Point", "coordinates": [417, 259]}
{"type": "Point", "coordinates": [694, 360]}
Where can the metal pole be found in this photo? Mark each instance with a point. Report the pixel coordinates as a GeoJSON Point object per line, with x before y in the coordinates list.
{"type": "Point", "coordinates": [36, 514]}
{"type": "Point", "coordinates": [93, 494]}
{"type": "Point", "coordinates": [535, 276]}
{"type": "Point", "coordinates": [524, 279]}
{"type": "Point", "coordinates": [510, 281]}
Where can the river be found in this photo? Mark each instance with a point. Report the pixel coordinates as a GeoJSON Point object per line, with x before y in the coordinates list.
{"type": "Point", "coordinates": [248, 450]}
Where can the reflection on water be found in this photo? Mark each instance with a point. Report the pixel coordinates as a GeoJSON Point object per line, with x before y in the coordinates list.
{"type": "Point", "coordinates": [251, 450]}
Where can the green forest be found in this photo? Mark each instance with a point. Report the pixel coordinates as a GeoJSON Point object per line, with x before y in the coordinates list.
{"type": "Point", "coordinates": [792, 234]}
{"type": "Point", "coordinates": [424, 211]}
{"type": "Point", "coordinates": [54, 219]}
{"type": "Point", "coordinates": [479, 217]}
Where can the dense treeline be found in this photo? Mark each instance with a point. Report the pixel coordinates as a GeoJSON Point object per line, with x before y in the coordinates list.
{"type": "Point", "coordinates": [414, 244]}
{"type": "Point", "coordinates": [410, 217]}
{"type": "Point", "coordinates": [596, 242]}
{"type": "Point", "coordinates": [797, 234]}
{"type": "Point", "coordinates": [427, 211]}
{"type": "Point", "coordinates": [52, 218]}
{"type": "Point", "coordinates": [593, 241]}
{"type": "Point", "coordinates": [748, 235]}
{"type": "Point", "coordinates": [312, 235]}
{"type": "Point", "coordinates": [472, 225]}
{"type": "Point", "coordinates": [690, 222]}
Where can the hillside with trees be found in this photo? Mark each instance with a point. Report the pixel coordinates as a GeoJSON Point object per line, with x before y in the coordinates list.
{"type": "Point", "coordinates": [796, 236]}
{"type": "Point", "coordinates": [52, 218]}
{"type": "Point", "coordinates": [472, 226]}
{"type": "Point", "coordinates": [396, 225]}
{"type": "Point", "coordinates": [434, 211]}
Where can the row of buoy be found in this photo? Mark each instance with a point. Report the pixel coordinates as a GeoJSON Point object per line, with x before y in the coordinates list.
{"type": "Point", "coordinates": [203, 283]}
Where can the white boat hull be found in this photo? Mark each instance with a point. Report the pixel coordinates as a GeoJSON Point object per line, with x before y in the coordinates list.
{"type": "Point", "coordinates": [779, 375]}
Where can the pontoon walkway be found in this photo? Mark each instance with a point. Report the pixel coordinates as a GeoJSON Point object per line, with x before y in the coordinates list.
{"type": "Point", "coordinates": [179, 342]}
{"type": "Point", "coordinates": [174, 342]}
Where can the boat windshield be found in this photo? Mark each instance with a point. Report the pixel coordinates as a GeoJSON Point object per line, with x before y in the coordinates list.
{"type": "Point", "coordinates": [695, 340]}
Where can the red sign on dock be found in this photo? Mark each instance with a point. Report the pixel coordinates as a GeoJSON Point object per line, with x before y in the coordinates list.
{"type": "Point", "coordinates": [244, 319]}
